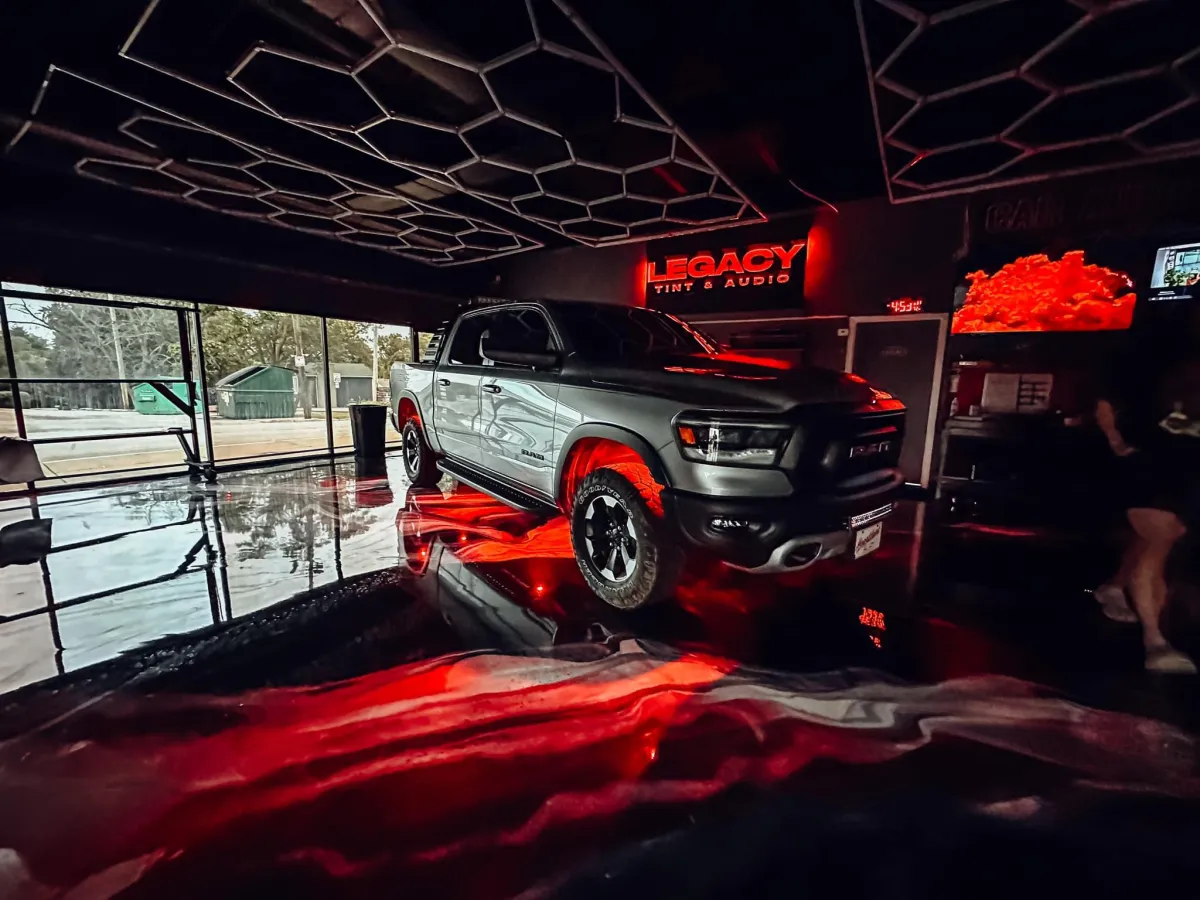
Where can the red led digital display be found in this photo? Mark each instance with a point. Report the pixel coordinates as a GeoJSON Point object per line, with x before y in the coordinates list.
{"type": "Point", "coordinates": [906, 305]}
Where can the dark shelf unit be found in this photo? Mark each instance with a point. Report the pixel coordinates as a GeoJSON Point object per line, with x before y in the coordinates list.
{"type": "Point", "coordinates": [1020, 469]}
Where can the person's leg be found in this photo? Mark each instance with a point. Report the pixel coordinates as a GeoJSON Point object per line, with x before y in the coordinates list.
{"type": "Point", "coordinates": [1113, 595]}
{"type": "Point", "coordinates": [1159, 530]}
{"type": "Point", "coordinates": [1124, 577]}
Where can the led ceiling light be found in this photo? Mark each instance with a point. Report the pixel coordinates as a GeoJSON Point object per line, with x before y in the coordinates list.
{"type": "Point", "coordinates": [985, 93]}
{"type": "Point", "coordinates": [536, 117]}
{"type": "Point", "coordinates": [237, 178]}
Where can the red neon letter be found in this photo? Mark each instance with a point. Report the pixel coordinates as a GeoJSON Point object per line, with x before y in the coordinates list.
{"type": "Point", "coordinates": [653, 277]}
{"type": "Point", "coordinates": [702, 266]}
{"type": "Point", "coordinates": [786, 256]}
{"type": "Point", "coordinates": [676, 268]}
{"type": "Point", "coordinates": [760, 253]}
{"type": "Point", "coordinates": [729, 263]}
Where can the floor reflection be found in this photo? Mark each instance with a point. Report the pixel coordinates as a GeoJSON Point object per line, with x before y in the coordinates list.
{"type": "Point", "coordinates": [456, 570]}
{"type": "Point", "coordinates": [129, 564]}
{"type": "Point", "coordinates": [312, 681]}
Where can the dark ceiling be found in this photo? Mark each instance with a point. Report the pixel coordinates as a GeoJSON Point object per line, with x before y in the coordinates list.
{"type": "Point", "coordinates": [450, 132]}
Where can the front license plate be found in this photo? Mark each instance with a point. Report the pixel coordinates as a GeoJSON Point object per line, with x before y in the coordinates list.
{"type": "Point", "coordinates": [867, 540]}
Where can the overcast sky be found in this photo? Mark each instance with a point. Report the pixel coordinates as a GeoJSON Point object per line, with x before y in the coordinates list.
{"type": "Point", "coordinates": [17, 316]}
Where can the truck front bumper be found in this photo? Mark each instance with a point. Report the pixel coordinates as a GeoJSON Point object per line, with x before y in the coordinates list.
{"type": "Point", "coordinates": [761, 535]}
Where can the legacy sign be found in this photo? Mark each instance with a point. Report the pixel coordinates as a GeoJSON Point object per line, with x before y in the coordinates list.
{"type": "Point", "coordinates": [757, 267]}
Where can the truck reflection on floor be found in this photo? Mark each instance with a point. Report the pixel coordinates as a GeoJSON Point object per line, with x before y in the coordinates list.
{"type": "Point", "coordinates": [508, 580]}
{"type": "Point", "coordinates": [458, 540]}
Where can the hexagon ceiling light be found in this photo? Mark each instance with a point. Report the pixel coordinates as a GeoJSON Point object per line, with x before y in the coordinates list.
{"type": "Point", "coordinates": [983, 93]}
{"type": "Point", "coordinates": [174, 158]}
{"type": "Point", "coordinates": [549, 126]}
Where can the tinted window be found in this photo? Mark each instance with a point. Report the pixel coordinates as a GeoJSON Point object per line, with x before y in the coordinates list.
{"type": "Point", "coordinates": [465, 349]}
{"type": "Point", "coordinates": [605, 334]}
{"type": "Point", "coordinates": [429, 354]}
{"type": "Point", "coordinates": [522, 330]}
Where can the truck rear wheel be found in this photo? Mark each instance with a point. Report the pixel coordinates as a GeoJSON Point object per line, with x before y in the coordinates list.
{"type": "Point", "coordinates": [623, 549]}
{"type": "Point", "coordinates": [420, 465]}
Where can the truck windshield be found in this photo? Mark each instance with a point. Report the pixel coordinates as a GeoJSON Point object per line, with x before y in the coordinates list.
{"type": "Point", "coordinates": [606, 334]}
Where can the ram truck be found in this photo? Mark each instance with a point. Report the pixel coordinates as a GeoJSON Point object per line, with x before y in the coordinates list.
{"type": "Point", "coordinates": [654, 441]}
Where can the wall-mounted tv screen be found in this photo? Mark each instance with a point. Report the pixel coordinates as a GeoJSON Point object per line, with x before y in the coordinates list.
{"type": "Point", "coordinates": [1037, 293]}
{"type": "Point", "coordinates": [1176, 273]}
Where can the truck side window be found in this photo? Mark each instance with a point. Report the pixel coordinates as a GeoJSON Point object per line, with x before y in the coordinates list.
{"type": "Point", "coordinates": [520, 329]}
{"type": "Point", "coordinates": [464, 351]}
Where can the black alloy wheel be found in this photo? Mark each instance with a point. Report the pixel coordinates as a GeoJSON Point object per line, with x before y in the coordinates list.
{"type": "Point", "coordinates": [610, 541]}
{"type": "Point", "coordinates": [420, 465]}
{"type": "Point", "coordinates": [624, 551]}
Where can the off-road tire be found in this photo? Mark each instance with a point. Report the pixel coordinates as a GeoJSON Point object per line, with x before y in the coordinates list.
{"type": "Point", "coordinates": [420, 464]}
{"type": "Point", "coordinates": [609, 513]}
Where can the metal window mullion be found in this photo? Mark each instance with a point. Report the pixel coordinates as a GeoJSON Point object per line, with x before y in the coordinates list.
{"type": "Point", "coordinates": [87, 301]}
{"type": "Point", "coordinates": [185, 358]}
{"type": "Point", "coordinates": [329, 386]}
{"type": "Point", "coordinates": [10, 358]}
{"type": "Point", "coordinates": [208, 435]}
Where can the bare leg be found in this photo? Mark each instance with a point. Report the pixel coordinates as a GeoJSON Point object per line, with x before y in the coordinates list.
{"type": "Point", "coordinates": [1113, 595]}
{"type": "Point", "coordinates": [1159, 531]}
{"type": "Point", "coordinates": [1124, 577]}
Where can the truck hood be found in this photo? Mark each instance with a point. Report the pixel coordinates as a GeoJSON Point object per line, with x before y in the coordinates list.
{"type": "Point", "coordinates": [734, 380]}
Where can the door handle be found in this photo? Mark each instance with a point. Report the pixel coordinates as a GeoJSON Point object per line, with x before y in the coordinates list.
{"type": "Point", "coordinates": [444, 382]}
{"type": "Point", "coordinates": [492, 388]}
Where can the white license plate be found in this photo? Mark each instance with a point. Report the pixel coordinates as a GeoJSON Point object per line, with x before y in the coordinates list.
{"type": "Point", "coordinates": [867, 540]}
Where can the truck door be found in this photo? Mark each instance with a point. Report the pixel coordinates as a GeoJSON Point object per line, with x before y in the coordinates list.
{"type": "Point", "coordinates": [518, 404]}
{"type": "Point", "coordinates": [456, 389]}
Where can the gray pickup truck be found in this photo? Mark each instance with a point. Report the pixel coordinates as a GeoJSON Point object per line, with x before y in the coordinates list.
{"type": "Point", "coordinates": [652, 439]}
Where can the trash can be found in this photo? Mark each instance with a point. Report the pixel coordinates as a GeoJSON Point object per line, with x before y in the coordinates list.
{"type": "Point", "coordinates": [368, 425]}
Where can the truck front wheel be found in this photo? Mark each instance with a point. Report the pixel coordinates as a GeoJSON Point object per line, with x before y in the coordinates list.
{"type": "Point", "coordinates": [420, 465]}
{"type": "Point", "coordinates": [623, 549]}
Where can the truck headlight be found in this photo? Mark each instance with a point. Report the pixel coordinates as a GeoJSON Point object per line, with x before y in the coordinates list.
{"type": "Point", "coordinates": [732, 443]}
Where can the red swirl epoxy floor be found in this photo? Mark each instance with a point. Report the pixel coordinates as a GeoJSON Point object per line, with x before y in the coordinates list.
{"type": "Point", "coordinates": [417, 690]}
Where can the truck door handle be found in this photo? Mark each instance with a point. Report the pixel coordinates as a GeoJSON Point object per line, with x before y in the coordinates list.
{"type": "Point", "coordinates": [492, 388]}
{"type": "Point", "coordinates": [444, 382]}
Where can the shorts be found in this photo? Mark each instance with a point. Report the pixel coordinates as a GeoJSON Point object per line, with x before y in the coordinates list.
{"type": "Point", "coordinates": [1165, 475]}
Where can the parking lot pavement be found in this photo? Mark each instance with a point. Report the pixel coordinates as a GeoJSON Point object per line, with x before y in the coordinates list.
{"type": "Point", "coordinates": [232, 438]}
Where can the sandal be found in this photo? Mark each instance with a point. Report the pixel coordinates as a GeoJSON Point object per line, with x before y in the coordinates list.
{"type": "Point", "coordinates": [1113, 603]}
{"type": "Point", "coordinates": [1168, 660]}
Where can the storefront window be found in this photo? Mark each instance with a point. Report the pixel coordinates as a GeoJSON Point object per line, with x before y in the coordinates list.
{"type": "Point", "coordinates": [81, 359]}
{"type": "Point", "coordinates": [356, 350]}
{"type": "Point", "coordinates": [102, 380]}
{"type": "Point", "coordinates": [265, 372]}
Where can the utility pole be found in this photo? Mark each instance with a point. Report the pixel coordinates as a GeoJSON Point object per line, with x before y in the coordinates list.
{"type": "Point", "coordinates": [126, 397]}
{"type": "Point", "coordinates": [374, 363]}
{"type": "Point", "coordinates": [301, 367]}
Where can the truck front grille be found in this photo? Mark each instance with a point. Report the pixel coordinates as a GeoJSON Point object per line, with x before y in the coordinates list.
{"type": "Point", "coordinates": [847, 447]}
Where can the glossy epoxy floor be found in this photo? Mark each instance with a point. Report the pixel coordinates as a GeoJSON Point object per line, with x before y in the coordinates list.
{"type": "Point", "coordinates": [90, 576]}
{"type": "Point", "coordinates": [306, 681]}
{"type": "Point", "coordinates": [129, 564]}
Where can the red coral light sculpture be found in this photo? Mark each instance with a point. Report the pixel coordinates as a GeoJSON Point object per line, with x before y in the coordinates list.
{"type": "Point", "coordinates": [1035, 293]}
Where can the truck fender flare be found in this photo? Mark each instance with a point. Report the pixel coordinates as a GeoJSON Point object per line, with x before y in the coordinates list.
{"type": "Point", "coordinates": [412, 398]}
{"type": "Point", "coordinates": [624, 436]}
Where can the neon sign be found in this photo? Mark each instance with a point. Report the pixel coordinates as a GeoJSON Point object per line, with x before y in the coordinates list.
{"type": "Point", "coordinates": [758, 266]}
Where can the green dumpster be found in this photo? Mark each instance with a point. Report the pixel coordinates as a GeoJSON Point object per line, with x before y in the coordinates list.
{"type": "Point", "coordinates": [150, 402]}
{"type": "Point", "coordinates": [257, 392]}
